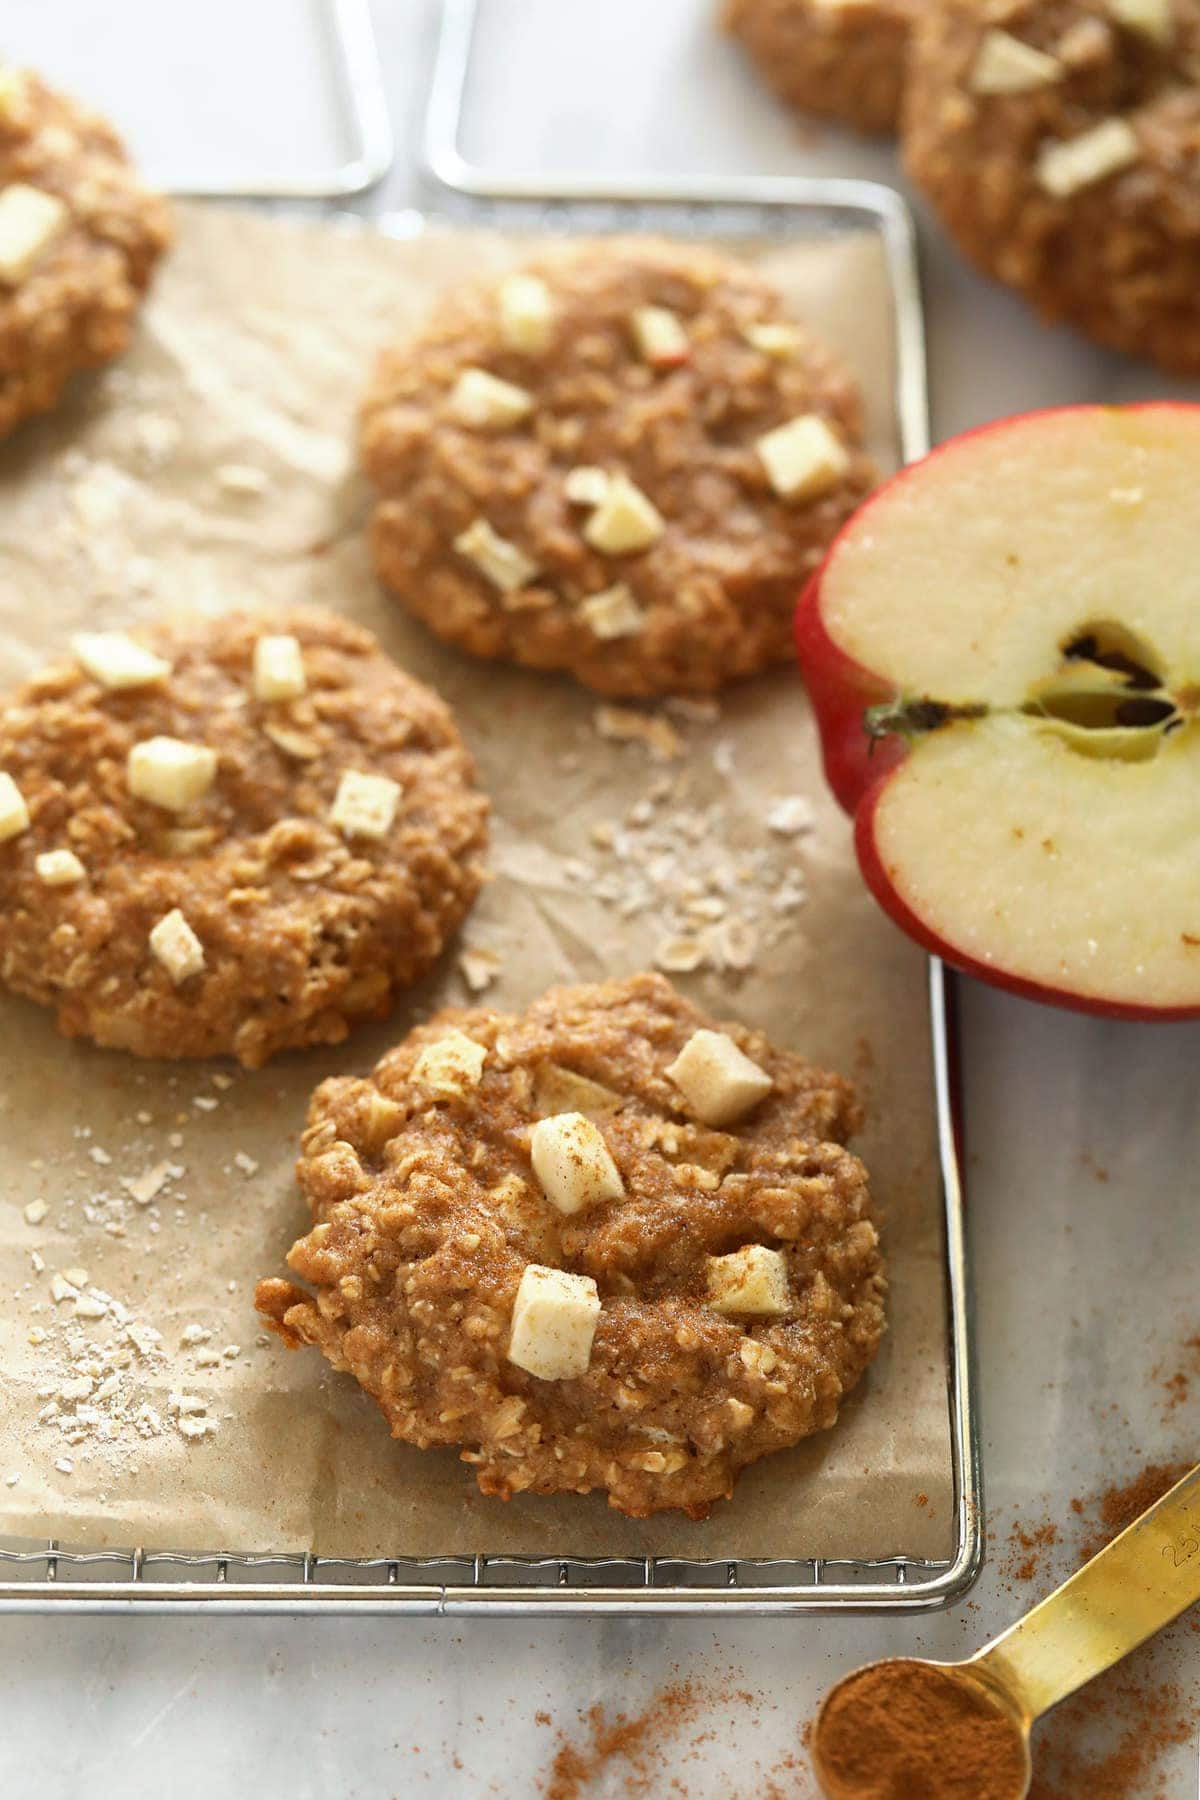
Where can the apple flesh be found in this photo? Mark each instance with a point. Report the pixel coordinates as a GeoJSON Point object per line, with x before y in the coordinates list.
{"type": "Point", "coordinates": [1003, 651]}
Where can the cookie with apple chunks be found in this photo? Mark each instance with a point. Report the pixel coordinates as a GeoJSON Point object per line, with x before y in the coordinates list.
{"type": "Point", "coordinates": [1058, 140]}
{"type": "Point", "coordinates": [602, 1244]}
{"type": "Point", "coordinates": [238, 835]}
{"type": "Point", "coordinates": [618, 462]}
{"type": "Point", "coordinates": [842, 59]}
{"type": "Point", "coordinates": [1002, 653]}
{"type": "Point", "coordinates": [79, 238]}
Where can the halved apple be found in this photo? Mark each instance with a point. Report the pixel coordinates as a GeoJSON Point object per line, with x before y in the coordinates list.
{"type": "Point", "coordinates": [1003, 651]}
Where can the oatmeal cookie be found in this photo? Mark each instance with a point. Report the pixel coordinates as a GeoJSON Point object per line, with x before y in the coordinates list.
{"type": "Point", "coordinates": [843, 59]}
{"type": "Point", "coordinates": [241, 835]}
{"type": "Point", "coordinates": [1060, 142]}
{"type": "Point", "coordinates": [599, 1245]}
{"type": "Point", "coordinates": [79, 238]}
{"type": "Point", "coordinates": [621, 462]}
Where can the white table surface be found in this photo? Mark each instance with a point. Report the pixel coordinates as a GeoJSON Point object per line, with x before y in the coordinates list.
{"type": "Point", "coordinates": [1085, 1286]}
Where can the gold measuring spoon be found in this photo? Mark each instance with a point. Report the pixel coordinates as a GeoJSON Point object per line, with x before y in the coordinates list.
{"type": "Point", "coordinates": [902, 1728]}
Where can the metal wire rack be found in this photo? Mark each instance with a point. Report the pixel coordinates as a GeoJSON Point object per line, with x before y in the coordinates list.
{"type": "Point", "coordinates": [49, 1576]}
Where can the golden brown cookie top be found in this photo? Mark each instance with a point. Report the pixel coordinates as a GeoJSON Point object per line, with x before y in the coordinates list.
{"type": "Point", "coordinates": [236, 835]}
{"type": "Point", "coordinates": [620, 461]}
{"type": "Point", "coordinates": [723, 1286]}
{"type": "Point", "coordinates": [79, 238]}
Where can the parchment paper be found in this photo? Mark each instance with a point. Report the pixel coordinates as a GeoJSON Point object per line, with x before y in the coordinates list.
{"type": "Point", "coordinates": [252, 354]}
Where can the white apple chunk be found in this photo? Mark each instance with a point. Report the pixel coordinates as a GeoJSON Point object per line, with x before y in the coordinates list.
{"type": "Point", "coordinates": [451, 1065]}
{"type": "Point", "coordinates": [117, 661]}
{"type": "Point", "coordinates": [554, 1323]}
{"type": "Point", "coordinates": [720, 1083]}
{"type": "Point", "coordinates": [752, 1281]}
{"type": "Point", "coordinates": [485, 403]}
{"type": "Point", "coordinates": [279, 668]}
{"type": "Point", "coordinates": [804, 458]}
{"type": "Point", "coordinates": [660, 337]}
{"type": "Point", "coordinates": [175, 945]}
{"type": "Point", "coordinates": [1063, 168]}
{"type": "Point", "coordinates": [527, 312]}
{"type": "Point", "coordinates": [625, 521]}
{"type": "Point", "coordinates": [1007, 65]}
{"type": "Point", "coordinates": [364, 805]}
{"type": "Point", "coordinates": [30, 221]}
{"type": "Point", "coordinates": [497, 559]}
{"type": "Point", "coordinates": [573, 1163]}
{"type": "Point", "coordinates": [586, 485]}
{"type": "Point", "coordinates": [59, 868]}
{"type": "Point", "coordinates": [1153, 19]}
{"type": "Point", "coordinates": [14, 814]}
{"type": "Point", "coordinates": [612, 613]}
{"type": "Point", "coordinates": [170, 773]}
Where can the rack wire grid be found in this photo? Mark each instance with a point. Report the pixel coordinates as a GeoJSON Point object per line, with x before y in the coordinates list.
{"type": "Point", "coordinates": [50, 1576]}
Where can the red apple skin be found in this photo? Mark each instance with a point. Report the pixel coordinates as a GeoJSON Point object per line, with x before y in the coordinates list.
{"type": "Point", "coordinates": [841, 690]}
{"type": "Point", "coordinates": [858, 768]}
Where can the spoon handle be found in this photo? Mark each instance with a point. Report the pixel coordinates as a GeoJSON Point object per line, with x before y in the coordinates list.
{"type": "Point", "coordinates": [1135, 1586]}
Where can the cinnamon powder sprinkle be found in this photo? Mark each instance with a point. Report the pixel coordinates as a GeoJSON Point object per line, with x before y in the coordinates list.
{"type": "Point", "coordinates": [642, 1750]}
{"type": "Point", "coordinates": [1110, 1740]}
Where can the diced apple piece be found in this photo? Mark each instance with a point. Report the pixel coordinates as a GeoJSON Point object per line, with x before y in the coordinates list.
{"type": "Point", "coordinates": [279, 668]}
{"type": "Point", "coordinates": [773, 338]}
{"type": "Point", "coordinates": [804, 458]}
{"type": "Point", "coordinates": [452, 1064]}
{"type": "Point", "coordinates": [364, 805]}
{"type": "Point", "coordinates": [170, 773]}
{"type": "Point", "coordinates": [573, 1162]}
{"type": "Point", "coordinates": [502, 563]}
{"type": "Point", "coordinates": [59, 868]}
{"type": "Point", "coordinates": [586, 486]}
{"type": "Point", "coordinates": [14, 814]}
{"type": "Point", "coordinates": [660, 337]}
{"type": "Point", "coordinates": [526, 313]}
{"type": "Point", "coordinates": [486, 403]}
{"type": "Point", "coordinates": [625, 520]}
{"type": "Point", "coordinates": [719, 1082]}
{"type": "Point", "coordinates": [117, 661]}
{"type": "Point", "coordinates": [176, 946]}
{"type": "Point", "coordinates": [752, 1281]}
{"type": "Point", "coordinates": [30, 221]}
{"type": "Point", "coordinates": [1154, 19]}
{"type": "Point", "coordinates": [554, 1323]}
{"type": "Point", "coordinates": [1064, 168]}
{"type": "Point", "coordinates": [1007, 65]}
{"type": "Point", "coordinates": [613, 613]}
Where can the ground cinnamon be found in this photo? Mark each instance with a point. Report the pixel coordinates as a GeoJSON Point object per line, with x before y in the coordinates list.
{"type": "Point", "coordinates": [906, 1731]}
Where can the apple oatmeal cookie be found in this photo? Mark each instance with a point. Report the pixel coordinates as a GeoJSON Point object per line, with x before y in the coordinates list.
{"type": "Point", "coordinates": [240, 835]}
{"type": "Point", "coordinates": [79, 238]}
{"type": "Point", "coordinates": [601, 1244]}
{"type": "Point", "coordinates": [621, 462]}
{"type": "Point", "coordinates": [843, 59]}
{"type": "Point", "coordinates": [1059, 140]}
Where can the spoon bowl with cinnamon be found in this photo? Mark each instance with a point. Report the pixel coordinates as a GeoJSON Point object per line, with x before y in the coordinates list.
{"type": "Point", "coordinates": [905, 1729]}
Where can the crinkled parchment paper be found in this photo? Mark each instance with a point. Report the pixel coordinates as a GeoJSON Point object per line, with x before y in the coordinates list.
{"type": "Point", "coordinates": [134, 500]}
